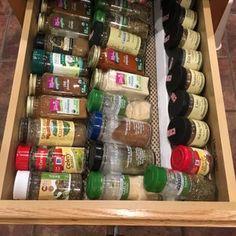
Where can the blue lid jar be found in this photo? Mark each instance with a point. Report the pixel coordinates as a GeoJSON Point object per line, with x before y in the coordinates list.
{"type": "Point", "coordinates": [95, 125]}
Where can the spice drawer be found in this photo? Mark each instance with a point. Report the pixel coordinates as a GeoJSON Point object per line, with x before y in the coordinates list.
{"type": "Point", "coordinates": [219, 213]}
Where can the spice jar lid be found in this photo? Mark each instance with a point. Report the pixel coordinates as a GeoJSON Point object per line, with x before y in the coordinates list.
{"type": "Point", "coordinates": [95, 156]}
{"type": "Point", "coordinates": [96, 34]}
{"type": "Point", "coordinates": [41, 22]}
{"type": "Point", "coordinates": [173, 37]}
{"type": "Point", "coordinates": [178, 103]}
{"type": "Point", "coordinates": [101, 4]}
{"type": "Point", "coordinates": [94, 185]}
{"type": "Point", "coordinates": [37, 65]}
{"type": "Point", "coordinates": [21, 185]}
{"type": "Point", "coordinates": [99, 15]}
{"type": "Point", "coordinates": [94, 102]}
{"type": "Point", "coordinates": [39, 41]}
{"type": "Point", "coordinates": [96, 78]}
{"type": "Point", "coordinates": [95, 125]}
{"type": "Point", "coordinates": [30, 106]}
{"type": "Point", "coordinates": [155, 179]}
{"type": "Point", "coordinates": [176, 78]}
{"type": "Point", "coordinates": [167, 6]}
{"type": "Point", "coordinates": [22, 157]}
{"type": "Point", "coordinates": [181, 158]}
{"type": "Point", "coordinates": [32, 84]}
{"type": "Point", "coordinates": [175, 57]}
{"type": "Point", "coordinates": [179, 130]}
{"type": "Point", "coordinates": [44, 6]}
{"type": "Point", "coordinates": [93, 57]}
{"type": "Point", "coordinates": [23, 132]}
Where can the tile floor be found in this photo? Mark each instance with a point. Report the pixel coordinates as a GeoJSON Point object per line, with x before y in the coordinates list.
{"type": "Point", "coordinates": [9, 41]}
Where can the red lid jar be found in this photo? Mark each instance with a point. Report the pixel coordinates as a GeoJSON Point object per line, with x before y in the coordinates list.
{"type": "Point", "coordinates": [22, 157]}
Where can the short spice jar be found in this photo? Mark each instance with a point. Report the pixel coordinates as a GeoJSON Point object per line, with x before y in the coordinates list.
{"type": "Point", "coordinates": [108, 58]}
{"type": "Point", "coordinates": [58, 64]}
{"type": "Point", "coordinates": [113, 158]}
{"type": "Point", "coordinates": [50, 159]}
{"type": "Point", "coordinates": [106, 36]}
{"type": "Point", "coordinates": [50, 84]}
{"type": "Point", "coordinates": [119, 130]}
{"type": "Point", "coordinates": [48, 106]}
{"type": "Point", "coordinates": [188, 132]}
{"type": "Point", "coordinates": [52, 132]}
{"type": "Point", "coordinates": [180, 78]}
{"type": "Point", "coordinates": [188, 105]}
{"type": "Point", "coordinates": [175, 185]}
{"type": "Point", "coordinates": [47, 186]}
{"type": "Point", "coordinates": [118, 82]}
{"type": "Point", "coordinates": [188, 4]}
{"type": "Point", "coordinates": [191, 160]}
{"type": "Point", "coordinates": [59, 44]}
{"type": "Point", "coordinates": [117, 105]}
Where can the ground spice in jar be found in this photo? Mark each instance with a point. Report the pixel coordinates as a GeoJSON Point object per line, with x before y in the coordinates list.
{"type": "Point", "coordinates": [56, 107]}
{"type": "Point", "coordinates": [50, 84]}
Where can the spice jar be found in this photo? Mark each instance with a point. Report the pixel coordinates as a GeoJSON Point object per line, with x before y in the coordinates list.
{"type": "Point", "coordinates": [59, 64]}
{"type": "Point", "coordinates": [105, 36]}
{"type": "Point", "coordinates": [56, 107]}
{"type": "Point", "coordinates": [117, 130]}
{"type": "Point", "coordinates": [188, 4]}
{"type": "Point", "coordinates": [190, 59]}
{"type": "Point", "coordinates": [122, 83]}
{"type": "Point", "coordinates": [51, 159]}
{"type": "Point", "coordinates": [188, 132]}
{"type": "Point", "coordinates": [113, 105]}
{"type": "Point", "coordinates": [180, 78]}
{"type": "Point", "coordinates": [123, 22]}
{"type": "Point", "coordinates": [138, 1]}
{"type": "Point", "coordinates": [52, 43]}
{"type": "Point", "coordinates": [191, 160]}
{"type": "Point", "coordinates": [47, 186]}
{"type": "Point", "coordinates": [51, 84]}
{"type": "Point", "coordinates": [51, 132]}
{"type": "Point", "coordinates": [183, 38]}
{"type": "Point", "coordinates": [64, 24]}
{"type": "Point", "coordinates": [80, 8]}
{"type": "Point", "coordinates": [188, 105]}
{"type": "Point", "coordinates": [175, 185]}
{"type": "Point", "coordinates": [113, 158]}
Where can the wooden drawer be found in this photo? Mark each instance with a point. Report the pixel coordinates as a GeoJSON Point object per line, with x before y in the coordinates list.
{"type": "Point", "coordinates": [219, 213]}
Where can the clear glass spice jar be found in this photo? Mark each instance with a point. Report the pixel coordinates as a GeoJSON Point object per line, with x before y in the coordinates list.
{"type": "Point", "coordinates": [52, 132]}
{"type": "Point", "coordinates": [191, 160]}
{"type": "Point", "coordinates": [64, 24]}
{"type": "Point", "coordinates": [59, 44]}
{"type": "Point", "coordinates": [188, 105]}
{"type": "Point", "coordinates": [190, 132]}
{"type": "Point", "coordinates": [48, 106]}
{"type": "Point", "coordinates": [116, 105]}
{"type": "Point", "coordinates": [47, 186]}
{"type": "Point", "coordinates": [108, 58]}
{"type": "Point", "coordinates": [50, 84]}
{"type": "Point", "coordinates": [180, 78]}
{"type": "Point", "coordinates": [106, 36]}
{"type": "Point", "coordinates": [117, 130]}
{"type": "Point", "coordinates": [58, 64]}
{"type": "Point", "coordinates": [113, 158]}
{"type": "Point", "coordinates": [122, 83]}
{"type": "Point", "coordinates": [175, 185]}
{"type": "Point", "coordinates": [50, 159]}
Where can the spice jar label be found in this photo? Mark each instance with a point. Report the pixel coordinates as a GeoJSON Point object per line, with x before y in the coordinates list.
{"type": "Point", "coordinates": [56, 132]}
{"type": "Point", "coordinates": [192, 59]}
{"type": "Point", "coordinates": [192, 40]}
{"type": "Point", "coordinates": [113, 56]}
{"type": "Point", "coordinates": [54, 186]}
{"type": "Point", "coordinates": [190, 19]}
{"type": "Point", "coordinates": [39, 159]}
{"type": "Point", "coordinates": [59, 44]}
{"type": "Point", "coordinates": [58, 22]}
{"type": "Point", "coordinates": [197, 82]}
{"type": "Point", "coordinates": [204, 161]}
{"type": "Point", "coordinates": [131, 81]}
{"type": "Point", "coordinates": [124, 187]}
{"type": "Point", "coordinates": [53, 82]}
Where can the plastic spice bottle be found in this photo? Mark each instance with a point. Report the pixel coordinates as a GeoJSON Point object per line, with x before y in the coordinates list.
{"type": "Point", "coordinates": [59, 44]}
{"type": "Point", "coordinates": [51, 132]}
{"type": "Point", "coordinates": [105, 36]}
{"type": "Point", "coordinates": [117, 130]}
{"type": "Point", "coordinates": [188, 105]}
{"type": "Point", "coordinates": [174, 185]}
{"type": "Point", "coordinates": [190, 59]}
{"type": "Point", "coordinates": [188, 4]}
{"type": "Point", "coordinates": [183, 38]}
{"type": "Point", "coordinates": [180, 78]}
{"type": "Point", "coordinates": [51, 84]}
{"type": "Point", "coordinates": [123, 22]}
{"type": "Point", "coordinates": [113, 105]}
{"type": "Point", "coordinates": [51, 159]}
{"type": "Point", "coordinates": [118, 82]}
{"type": "Point", "coordinates": [191, 160]}
{"type": "Point", "coordinates": [47, 106]}
{"type": "Point", "coordinates": [113, 158]}
{"type": "Point", "coordinates": [108, 58]}
{"type": "Point", "coordinates": [188, 132]}
{"type": "Point", "coordinates": [63, 24]}
{"type": "Point", "coordinates": [59, 64]}
{"type": "Point", "coordinates": [47, 186]}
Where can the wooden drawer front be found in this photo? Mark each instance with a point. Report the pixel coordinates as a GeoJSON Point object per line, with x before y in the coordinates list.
{"type": "Point", "coordinates": [219, 213]}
